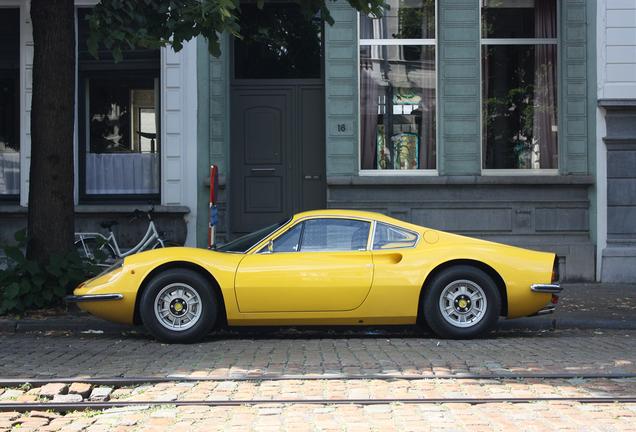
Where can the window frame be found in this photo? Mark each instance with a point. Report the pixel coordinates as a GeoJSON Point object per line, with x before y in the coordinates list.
{"type": "Point", "coordinates": [84, 132]}
{"type": "Point", "coordinates": [420, 172]}
{"type": "Point", "coordinates": [137, 63]}
{"type": "Point", "coordinates": [483, 42]}
{"type": "Point", "coordinates": [13, 74]}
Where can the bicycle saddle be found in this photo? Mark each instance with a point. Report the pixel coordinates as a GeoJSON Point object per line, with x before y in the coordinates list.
{"type": "Point", "coordinates": [108, 224]}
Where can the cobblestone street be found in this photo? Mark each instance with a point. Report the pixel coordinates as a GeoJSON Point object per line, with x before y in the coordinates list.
{"type": "Point", "coordinates": [61, 355]}
{"type": "Point", "coordinates": [58, 355]}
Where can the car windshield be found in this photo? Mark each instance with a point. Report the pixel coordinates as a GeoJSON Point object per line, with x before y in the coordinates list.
{"type": "Point", "coordinates": [243, 244]}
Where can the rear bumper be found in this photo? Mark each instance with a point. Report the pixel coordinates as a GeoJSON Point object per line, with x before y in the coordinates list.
{"type": "Point", "coordinates": [546, 288]}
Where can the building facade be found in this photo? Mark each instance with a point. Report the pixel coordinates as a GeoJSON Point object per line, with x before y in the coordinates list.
{"type": "Point", "coordinates": [135, 125]}
{"type": "Point", "coordinates": [616, 140]}
{"type": "Point", "coordinates": [475, 117]}
{"type": "Point", "coordinates": [508, 120]}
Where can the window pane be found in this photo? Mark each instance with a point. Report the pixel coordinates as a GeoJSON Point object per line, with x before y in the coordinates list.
{"type": "Point", "coordinates": [122, 151]}
{"type": "Point", "coordinates": [9, 137]}
{"type": "Point", "coordinates": [411, 19]}
{"type": "Point", "coordinates": [391, 237]}
{"type": "Point", "coordinates": [332, 235]}
{"type": "Point", "coordinates": [520, 107]}
{"type": "Point", "coordinates": [9, 102]}
{"type": "Point", "coordinates": [288, 242]}
{"type": "Point", "coordinates": [397, 107]}
{"type": "Point", "coordinates": [278, 43]}
{"type": "Point", "coordinates": [505, 19]}
{"type": "Point", "coordinates": [520, 86]}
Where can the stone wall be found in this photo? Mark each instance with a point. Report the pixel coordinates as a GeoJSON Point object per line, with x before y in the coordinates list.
{"type": "Point", "coordinates": [545, 213]}
{"type": "Point", "coordinates": [619, 257]}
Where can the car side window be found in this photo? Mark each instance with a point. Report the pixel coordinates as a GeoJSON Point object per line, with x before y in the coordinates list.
{"type": "Point", "coordinates": [288, 242]}
{"type": "Point", "coordinates": [335, 235]}
{"type": "Point", "coordinates": [391, 237]}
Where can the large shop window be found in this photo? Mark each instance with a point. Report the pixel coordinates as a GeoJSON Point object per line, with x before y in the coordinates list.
{"type": "Point", "coordinates": [519, 72]}
{"type": "Point", "coordinates": [9, 104]}
{"type": "Point", "coordinates": [397, 87]}
{"type": "Point", "coordinates": [119, 123]}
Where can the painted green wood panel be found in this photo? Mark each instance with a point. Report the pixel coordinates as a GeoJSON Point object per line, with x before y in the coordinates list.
{"type": "Point", "coordinates": [212, 126]}
{"type": "Point", "coordinates": [459, 88]}
{"type": "Point", "coordinates": [575, 121]}
{"type": "Point", "coordinates": [341, 91]}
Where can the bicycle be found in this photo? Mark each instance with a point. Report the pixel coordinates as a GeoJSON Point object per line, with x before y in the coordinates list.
{"type": "Point", "coordinates": [88, 242]}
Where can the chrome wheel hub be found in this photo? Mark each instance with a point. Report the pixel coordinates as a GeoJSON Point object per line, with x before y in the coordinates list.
{"type": "Point", "coordinates": [463, 303]}
{"type": "Point", "coordinates": [178, 307]}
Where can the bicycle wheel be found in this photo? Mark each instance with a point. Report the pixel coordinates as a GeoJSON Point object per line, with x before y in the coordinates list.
{"type": "Point", "coordinates": [87, 247]}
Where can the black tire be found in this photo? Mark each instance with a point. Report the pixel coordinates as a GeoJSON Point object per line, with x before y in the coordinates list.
{"type": "Point", "coordinates": [179, 306]}
{"type": "Point", "coordinates": [461, 302]}
{"type": "Point", "coordinates": [166, 243]}
{"type": "Point", "coordinates": [86, 248]}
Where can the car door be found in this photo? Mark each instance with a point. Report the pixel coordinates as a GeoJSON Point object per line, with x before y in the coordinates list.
{"type": "Point", "coordinates": [318, 265]}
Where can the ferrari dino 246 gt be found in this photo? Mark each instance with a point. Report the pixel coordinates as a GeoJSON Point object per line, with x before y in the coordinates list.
{"type": "Point", "coordinates": [330, 267]}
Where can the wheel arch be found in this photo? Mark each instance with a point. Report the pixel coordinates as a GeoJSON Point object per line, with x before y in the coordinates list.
{"type": "Point", "coordinates": [499, 282]}
{"type": "Point", "coordinates": [221, 318]}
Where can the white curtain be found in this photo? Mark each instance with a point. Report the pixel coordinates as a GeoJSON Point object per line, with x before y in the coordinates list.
{"type": "Point", "coordinates": [9, 173]}
{"type": "Point", "coordinates": [122, 173]}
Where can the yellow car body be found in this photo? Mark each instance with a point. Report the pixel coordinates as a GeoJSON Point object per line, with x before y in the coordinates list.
{"type": "Point", "coordinates": [387, 276]}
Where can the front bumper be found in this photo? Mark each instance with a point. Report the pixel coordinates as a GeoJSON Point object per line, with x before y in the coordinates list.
{"type": "Point", "coordinates": [546, 288]}
{"type": "Point", "coordinates": [92, 298]}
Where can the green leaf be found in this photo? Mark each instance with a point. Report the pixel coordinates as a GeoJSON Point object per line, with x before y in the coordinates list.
{"type": "Point", "coordinates": [93, 47]}
{"type": "Point", "coordinates": [32, 267]}
{"type": "Point", "coordinates": [20, 235]}
{"type": "Point", "coordinates": [57, 261]}
{"type": "Point", "coordinates": [12, 291]}
{"type": "Point", "coordinates": [25, 287]}
{"type": "Point", "coordinates": [27, 300]}
{"type": "Point", "coordinates": [39, 280]}
{"type": "Point", "coordinates": [77, 274]}
{"type": "Point", "coordinates": [65, 279]}
{"type": "Point", "coordinates": [9, 304]}
{"type": "Point", "coordinates": [38, 300]}
{"type": "Point", "coordinates": [47, 295]}
{"type": "Point", "coordinates": [55, 272]}
{"type": "Point", "coordinates": [14, 253]}
{"type": "Point", "coordinates": [59, 291]}
{"type": "Point", "coordinates": [118, 56]}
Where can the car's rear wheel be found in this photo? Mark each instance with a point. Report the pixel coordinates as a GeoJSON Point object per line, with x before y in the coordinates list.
{"type": "Point", "coordinates": [179, 306]}
{"type": "Point", "coordinates": [461, 302]}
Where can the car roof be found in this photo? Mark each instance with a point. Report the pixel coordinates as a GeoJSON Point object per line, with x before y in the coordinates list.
{"type": "Point", "coordinates": [357, 214]}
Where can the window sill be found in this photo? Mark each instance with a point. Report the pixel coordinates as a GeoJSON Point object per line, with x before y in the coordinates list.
{"type": "Point", "coordinates": [472, 180]}
{"type": "Point", "coordinates": [129, 208]}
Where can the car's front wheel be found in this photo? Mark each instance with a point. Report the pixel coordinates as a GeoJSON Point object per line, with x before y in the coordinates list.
{"type": "Point", "coordinates": [179, 306]}
{"type": "Point", "coordinates": [461, 302]}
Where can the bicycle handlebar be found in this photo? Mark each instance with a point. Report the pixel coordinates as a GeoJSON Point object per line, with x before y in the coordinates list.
{"type": "Point", "coordinates": [139, 213]}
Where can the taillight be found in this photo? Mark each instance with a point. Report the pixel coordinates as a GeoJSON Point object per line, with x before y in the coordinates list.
{"type": "Point", "coordinates": [555, 270]}
{"type": "Point", "coordinates": [555, 299]}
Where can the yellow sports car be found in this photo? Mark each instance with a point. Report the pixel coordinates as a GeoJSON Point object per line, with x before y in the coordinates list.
{"type": "Point", "coordinates": [332, 267]}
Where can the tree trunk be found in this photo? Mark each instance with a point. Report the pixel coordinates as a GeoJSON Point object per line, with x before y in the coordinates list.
{"type": "Point", "coordinates": [51, 178]}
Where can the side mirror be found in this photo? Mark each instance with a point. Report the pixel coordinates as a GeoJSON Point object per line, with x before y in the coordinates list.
{"type": "Point", "coordinates": [270, 246]}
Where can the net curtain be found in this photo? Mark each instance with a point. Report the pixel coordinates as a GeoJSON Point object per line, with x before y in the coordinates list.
{"type": "Point", "coordinates": [122, 173]}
